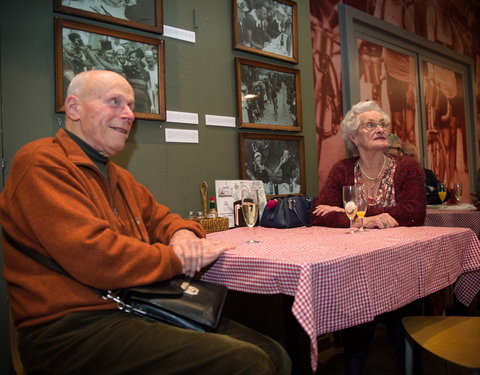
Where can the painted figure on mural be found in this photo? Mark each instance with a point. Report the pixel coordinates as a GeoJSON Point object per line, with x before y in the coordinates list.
{"type": "Point", "coordinates": [326, 60]}
{"type": "Point", "coordinates": [399, 69]}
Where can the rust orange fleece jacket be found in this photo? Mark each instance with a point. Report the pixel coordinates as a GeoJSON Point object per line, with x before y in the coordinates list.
{"type": "Point", "coordinates": [57, 202]}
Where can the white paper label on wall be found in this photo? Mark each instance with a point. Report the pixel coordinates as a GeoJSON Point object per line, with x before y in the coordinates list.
{"type": "Point", "coordinates": [220, 121]}
{"type": "Point", "coordinates": [173, 32]}
{"type": "Point", "coordinates": [181, 135]}
{"type": "Point", "coordinates": [182, 117]}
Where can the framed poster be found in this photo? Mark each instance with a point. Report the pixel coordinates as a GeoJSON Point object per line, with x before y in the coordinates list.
{"type": "Point", "coordinates": [267, 27]}
{"type": "Point", "coordinates": [230, 191]}
{"type": "Point", "coordinates": [141, 60]}
{"type": "Point", "coordinates": [276, 160]}
{"type": "Point", "coordinates": [141, 14]}
{"type": "Point", "coordinates": [268, 96]}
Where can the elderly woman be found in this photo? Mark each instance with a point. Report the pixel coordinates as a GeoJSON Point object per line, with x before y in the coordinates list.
{"type": "Point", "coordinates": [395, 189]}
{"type": "Point", "coordinates": [394, 184]}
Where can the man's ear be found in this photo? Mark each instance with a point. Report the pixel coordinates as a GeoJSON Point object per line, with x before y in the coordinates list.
{"type": "Point", "coordinates": [72, 107]}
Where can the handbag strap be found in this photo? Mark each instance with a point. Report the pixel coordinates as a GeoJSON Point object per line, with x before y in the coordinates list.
{"type": "Point", "coordinates": [54, 266]}
{"type": "Point", "coordinates": [47, 262]}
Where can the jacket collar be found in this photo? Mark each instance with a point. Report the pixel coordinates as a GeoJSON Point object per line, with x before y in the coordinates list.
{"type": "Point", "coordinates": [72, 150]}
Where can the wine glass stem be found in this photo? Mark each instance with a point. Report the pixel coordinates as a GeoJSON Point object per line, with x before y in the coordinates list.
{"type": "Point", "coordinates": [351, 225]}
{"type": "Point", "coordinates": [361, 224]}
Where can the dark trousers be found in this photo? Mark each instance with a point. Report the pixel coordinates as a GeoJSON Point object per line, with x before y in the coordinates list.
{"type": "Point", "coordinates": [357, 339]}
{"type": "Point", "coordinates": [114, 342]}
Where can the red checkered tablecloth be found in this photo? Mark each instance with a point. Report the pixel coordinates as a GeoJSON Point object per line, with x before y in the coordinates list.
{"type": "Point", "coordinates": [340, 280]}
{"type": "Point", "coordinates": [454, 218]}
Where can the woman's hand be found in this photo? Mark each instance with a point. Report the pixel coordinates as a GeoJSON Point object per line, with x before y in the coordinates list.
{"type": "Point", "coordinates": [323, 209]}
{"type": "Point", "coordinates": [381, 221]}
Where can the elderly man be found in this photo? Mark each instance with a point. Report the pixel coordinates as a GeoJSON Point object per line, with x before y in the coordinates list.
{"type": "Point", "coordinates": [65, 199]}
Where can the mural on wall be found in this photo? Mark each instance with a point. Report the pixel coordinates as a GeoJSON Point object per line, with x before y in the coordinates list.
{"type": "Point", "coordinates": [451, 24]}
{"type": "Point", "coordinates": [445, 122]}
{"type": "Point", "coordinates": [389, 77]}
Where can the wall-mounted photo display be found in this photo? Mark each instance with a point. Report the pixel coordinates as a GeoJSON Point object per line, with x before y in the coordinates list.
{"type": "Point", "coordinates": [141, 14]}
{"type": "Point", "coordinates": [276, 160]}
{"type": "Point", "coordinates": [267, 27]}
{"type": "Point", "coordinates": [141, 60]}
{"type": "Point", "coordinates": [268, 96]}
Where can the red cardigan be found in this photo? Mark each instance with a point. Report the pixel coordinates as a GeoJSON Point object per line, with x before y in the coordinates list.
{"type": "Point", "coordinates": [409, 184]}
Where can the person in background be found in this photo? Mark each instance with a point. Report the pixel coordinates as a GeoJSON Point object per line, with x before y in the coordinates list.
{"type": "Point", "coordinates": [66, 199]}
{"type": "Point", "coordinates": [395, 188]}
{"type": "Point", "coordinates": [476, 198]}
{"type": "Point", "coordinates": [152, 69]}
{"type": "Point", "coordinates": [242, 36]}
{"type": "Point", "coordinates": [139, 78]}
{"type": "Point", "coordinates": [256, 26]}
{"type": "Point", "coordinates": [259, 170]}
{"type": "Point", "coordinates": [394, 144]}
{"type": "Point", "coordinates": [431, 181]}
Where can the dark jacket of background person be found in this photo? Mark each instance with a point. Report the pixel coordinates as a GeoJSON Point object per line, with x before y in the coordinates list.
{"type": "Point", "coordinates": [97, 245]}
{"type": "Point", "coordinates": [410, 205]}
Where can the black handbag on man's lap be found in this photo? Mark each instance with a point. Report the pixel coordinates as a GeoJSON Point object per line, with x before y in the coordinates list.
{"type": "Point", "coordinates": [181, 301]}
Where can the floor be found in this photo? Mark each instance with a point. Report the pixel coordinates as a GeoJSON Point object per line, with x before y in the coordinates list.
{"type": "Point", "coordinates": [381, 359]}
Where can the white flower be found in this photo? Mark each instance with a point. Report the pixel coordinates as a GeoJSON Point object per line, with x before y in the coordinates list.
{"type": "Point", "coordinates": [350, 206]}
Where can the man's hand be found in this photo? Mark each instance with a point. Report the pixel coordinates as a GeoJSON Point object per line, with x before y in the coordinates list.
{"type": "Point", "coordinates": [194, 252]}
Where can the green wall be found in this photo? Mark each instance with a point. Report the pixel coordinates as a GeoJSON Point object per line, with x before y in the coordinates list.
{"type": "Point", "coordinates": [200, 78]}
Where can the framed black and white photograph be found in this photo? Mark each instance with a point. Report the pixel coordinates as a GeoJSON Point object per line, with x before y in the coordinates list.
{"type": "Point", "coordinates": [268, 96]}
{"type": "Point", "coordinates": [141, 14]}
{"type": "Point", "coordinates": [141, 60]}
{"type": "Point", "coordinates": [276, 160]}
{"type": "Point", "coordinates": [266, 27]}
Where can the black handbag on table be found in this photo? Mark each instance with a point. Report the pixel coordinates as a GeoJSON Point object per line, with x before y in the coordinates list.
{"type": "Point", "coordinates": [289, 212]}
{"type": "Point", "coordinates": [181, 301]}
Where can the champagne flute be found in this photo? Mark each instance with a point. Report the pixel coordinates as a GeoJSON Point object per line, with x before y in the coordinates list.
{"type": "Point", "coordinates": [250, 211]}
{"type": "Point", "coordinates": [458, 191]}
{"type": "Point", "coordinates": [442, 192]}
{"type": "Point", "coordinates": [348, 193]}
{"type": "Point", "coordinates": [361, 200]}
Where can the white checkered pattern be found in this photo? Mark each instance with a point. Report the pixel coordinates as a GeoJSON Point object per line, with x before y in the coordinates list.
{"type": "Point", "coordinates": [340, 280]}
{"type": "Point", "coordinates": [454, 218]}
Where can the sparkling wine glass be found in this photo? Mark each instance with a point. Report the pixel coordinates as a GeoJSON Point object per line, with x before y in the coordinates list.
{"type": "Point", "coordinates": [361, 200]}
{"type": "Point", "coordinates": [348, 193]}
{"type": "Point", "coordinates": [458, 191]}
{"type": "Point", "coordinates": [442, 192]}
{"type": "Point", "coordinates": [250, 211]}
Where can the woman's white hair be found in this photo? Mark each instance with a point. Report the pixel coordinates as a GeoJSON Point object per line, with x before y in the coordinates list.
{"type": "Point", "coordinates": [351, 122]}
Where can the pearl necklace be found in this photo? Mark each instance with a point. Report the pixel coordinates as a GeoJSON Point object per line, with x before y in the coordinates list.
{"type": "Point", "coordinates": [379, 173]}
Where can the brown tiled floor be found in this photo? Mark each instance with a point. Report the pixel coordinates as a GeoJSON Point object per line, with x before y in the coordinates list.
{"type": "Point", "coordinates": [381, 359]}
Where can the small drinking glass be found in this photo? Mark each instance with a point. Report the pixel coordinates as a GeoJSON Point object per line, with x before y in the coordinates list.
{"type": "Point", "coordinates": [458, 191]}
{"type": "Point", "coordinates": [361, 200]}
{"type": "Point", "coordinates": [442, 192]}
{"type": "Point", "coordinates": [348, 193]}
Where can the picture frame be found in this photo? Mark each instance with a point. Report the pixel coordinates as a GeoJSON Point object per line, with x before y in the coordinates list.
{"type": "Point", "coordinates": [80, 47]}
{"type": "Point", "coordinates": [278, 160]}
{"type": "Point", "coordinates": [269, 28]}
{"type": "Point", "coordinates": [268, 96]}
{"type": "Point", "coordinates": [144, 15]}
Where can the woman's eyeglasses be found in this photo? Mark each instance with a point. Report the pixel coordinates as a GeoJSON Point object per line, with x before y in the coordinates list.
{"type": "Point", "coordinates": [370, 125]}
